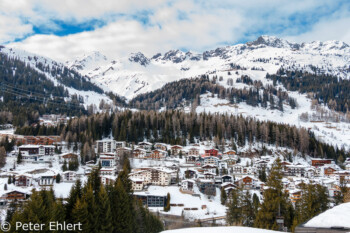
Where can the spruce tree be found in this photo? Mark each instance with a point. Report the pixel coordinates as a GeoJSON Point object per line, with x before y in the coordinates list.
{"type": "Point", "coordinates": [275, 200]}
{"type": "Point", "coordinates": [80, 214]}
{"type": "Point", "coordinates": [223, 196]}
{"type": "Point", "coordinates": [122, 216]}
{"type": "Point", "coordinates": [104, 213]}
{"type": "Point", "coordinates": [234, 211]}
{"type": "Point", "coordinates": [19, 158]}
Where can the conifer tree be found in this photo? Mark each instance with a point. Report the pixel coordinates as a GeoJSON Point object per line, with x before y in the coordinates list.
{"type": "Point", "coordinates": [105, 221]}
{"type": "Point", "coordinates": [122, 212]}
{"type": "Point", "coordinates": [275, 200]}
{"type": "Point", "coordinates": [80, 214]}
{"type": "Point", "coordinates": [167, 206]}
{"type": "Point", "coordinates": [19, 158]}
{"type": "Point", "coordinates": [223, 196]}
{"type": "Point", "coordinates": [74, 194]}
{"type": "Point", "coordinates": [234, 211]}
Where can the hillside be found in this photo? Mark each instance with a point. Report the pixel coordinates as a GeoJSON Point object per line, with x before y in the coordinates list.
{"type": "Point", "coordinates": [138, 74]}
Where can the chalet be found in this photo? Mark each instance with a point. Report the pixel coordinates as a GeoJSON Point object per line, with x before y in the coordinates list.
{"type": "Point", "coordinates": [47, 178]}
{"type": "Point", "coordinates": [207, 187]}
{"type": "Point", "coordinates": [228, 187]}
{"type": "Point", "coordinates": [35, 151]}
{"type": "Point", "coordinates": [187, 185]}
{"type": "Point", "coordinates": [108, 171]}
{"type": "Point", "coordinates": [175, 150]}
{"type": "Point", "coordinates": [211, 152]}
{"type": "Point", "coordinates": [193, 151]}
{"type": "Point", "coordinates": [294, 170]}
{"type": "Point", "coordinates": [328, 171]}
{"type": "Point", "coordinates": [190, 174]}
{"type": "Point", "coordinates": [343, 176]}
{"type": "Point", "coordinates": [226, 178]}
{"type": "Point", "coordinates": [158, 154]}
{"type": "Point", "coordinates": [223, 165]}
{"type": "Point", "coordinates": [145, 145]}
{"type": "Point", "coordinates": [68, 157]}
{"type": "Point", "coordinates": [316, 162]}
{"type": "Point", "coordinates": [69, 176]}
{"type": "Point", "coordinates": [211, 160]}
{"type": "Point", "coordinates": [295, 195]}
{"type": "Point", "coordinates": [247, 182]}
{"type": "Point", "coordinates": [261, 165]}
{"type": "Point", "coordinates": [15, 196]}
{"type": "Point", "coordinates": [108, 180]}
{"type": "Point", "coordinates": [123, 151]}
{"type": "Point", "coordinates": [139, 153]}
{"type": "Point", "coordinates": [209, 168]}
{"type": "Point", "coordinates": [209, 175]}
{"type": "Point", "coordinates": [106, 146]}
{"type": "Point", "coordinates": [229, 160]}
{"type": "Point", "coordinates": [192, 159]}
{"type": "Point", "coordinates": [38, 140]}
{"type": "Point", "coordinates": [160, 146]}
{"type": "Point", "coordinates": [23, 180]}
{"type": "Point", "coordinates": [239, 169]}
{"type": "Point", "coordinates": [230, 153]}
{"type": "Point", "coordinates": [153, 176]}
{"type": "Point", "coordinates": [136, 184]}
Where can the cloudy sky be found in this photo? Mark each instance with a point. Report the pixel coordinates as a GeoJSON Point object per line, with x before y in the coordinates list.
{"type": "Point", "coordinates": [65, 29]}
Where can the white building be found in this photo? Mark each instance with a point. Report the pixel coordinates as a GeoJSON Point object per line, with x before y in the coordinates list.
{"type": "Point", "coordinates": [187, 185]}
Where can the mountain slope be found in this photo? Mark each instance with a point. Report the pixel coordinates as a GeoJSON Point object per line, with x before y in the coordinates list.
{"type": "Point", "coordinates": [71, 82]}
{"type": "Point", "coordinates": [137, 74]}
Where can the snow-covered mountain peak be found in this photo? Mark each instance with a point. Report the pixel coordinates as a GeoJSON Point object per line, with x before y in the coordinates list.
{"type": "Point", "coordinates": [176, 56]}
{"type": "Point", "coordinates": [88, 62]}
{"type": "Point", "coordinates": [137, 74]}
{"type": "Point", "coordinates": [139, 58]}
{"type": "Point", "coordinates": [273, 41]}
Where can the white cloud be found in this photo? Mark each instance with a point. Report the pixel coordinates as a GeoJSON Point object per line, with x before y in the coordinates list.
{"type": "Point", "coordinates": [337, 29]}
{"type": "Point", "coordinates": [11, 27]}
{"type": "Point", "coordinates": [193, 24]}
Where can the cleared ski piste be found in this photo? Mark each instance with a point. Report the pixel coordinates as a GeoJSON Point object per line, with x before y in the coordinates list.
{"type": "Point", "coordinates": [220, 230]}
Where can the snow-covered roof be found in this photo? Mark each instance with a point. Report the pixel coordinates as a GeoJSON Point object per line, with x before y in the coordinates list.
{"type": "Point", "coordinates": [221, 230]}
{"type": "Point", "coordinates": [338, 216]}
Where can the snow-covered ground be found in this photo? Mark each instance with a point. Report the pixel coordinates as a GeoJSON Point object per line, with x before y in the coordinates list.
{"type": "Point", "coordinates": [129, 77]}
{"type": "Point", "coordinates": [90, 97]}
{"type": "Point", "coordinates": [221, 230]}
{"type": "Point", "coordinates": [336, 133]}
{"type": "Point", "coordinates": [338, 216]}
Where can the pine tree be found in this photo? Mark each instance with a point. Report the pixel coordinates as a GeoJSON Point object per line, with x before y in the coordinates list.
{"type": "Point", "coordinates": [19, 158]}
{"type": "Point", "coordinates": [104, 212]}
{"type": "Point", "coordinates": [64, 166]}
{"type": "Point", "coordinates": [58, 178]}
{"type": "Point", "coordinates": [234, 211]}
{"type": "Point", "coordinates": [122, 212]}
{"type": "Point", "coordinates": [80, 215]}
{"type": "Point", "coordinates": [275, 200]}
{"type": "Point", "coordinates": [248, 214]}
{"type": "Point", "coordinates": [74, 194]}
{"type": "Point", "coordinates": [223, 196]}
{"type": "Point", "coordinates": [167, 207]}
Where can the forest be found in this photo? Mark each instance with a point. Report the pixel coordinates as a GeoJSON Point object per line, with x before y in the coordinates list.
{"type": "Point", "coordinates": [177, 127]}
{"type": "Point", "coordinates": [330, 90]}
{"type": "Point", "coordinates": [111, 208]}
{"type": "Point", "coordinates": [173, 94]}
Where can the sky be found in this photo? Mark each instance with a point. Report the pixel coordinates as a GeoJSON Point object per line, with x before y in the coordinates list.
{"type": "Point", "coordinates": [66, 29]}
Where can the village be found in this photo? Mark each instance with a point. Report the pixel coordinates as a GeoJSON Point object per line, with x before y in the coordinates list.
{"type": "Point", "coordinates": [193, 176]}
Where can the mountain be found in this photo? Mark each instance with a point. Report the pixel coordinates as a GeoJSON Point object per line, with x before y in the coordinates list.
{"type": "Point", "coordinates": [48, 78]}
{"type": "Point", "coordinates": [138, 74]}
